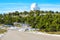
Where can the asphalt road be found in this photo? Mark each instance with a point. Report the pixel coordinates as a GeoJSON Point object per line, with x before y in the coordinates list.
{"type": "Point", "coordinates": [16, 35]}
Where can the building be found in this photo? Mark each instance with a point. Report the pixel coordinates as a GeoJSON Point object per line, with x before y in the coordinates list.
{"type": "Point", "coordinates": [34, 7]}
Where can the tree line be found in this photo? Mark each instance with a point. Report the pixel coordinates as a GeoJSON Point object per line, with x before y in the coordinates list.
{"type": "Point", "coordinates": [48, 21]}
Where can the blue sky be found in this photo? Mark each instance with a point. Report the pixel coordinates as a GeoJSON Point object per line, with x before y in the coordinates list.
{"type": "Point", "coordinates": [24, 5]}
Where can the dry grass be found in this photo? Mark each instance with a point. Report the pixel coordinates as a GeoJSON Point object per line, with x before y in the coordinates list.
{"type": "Point", "coordinates": [54, 32]}
{"type": "Point", "coordinates": [50, 32]}
{"type": "Point", "coordinates": [2, 31]}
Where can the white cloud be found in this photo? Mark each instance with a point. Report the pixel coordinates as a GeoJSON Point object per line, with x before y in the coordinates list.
{"type": "Point", "coordinates": [11, 7]}
{"type": "Point", "coordinates": [53, 7]}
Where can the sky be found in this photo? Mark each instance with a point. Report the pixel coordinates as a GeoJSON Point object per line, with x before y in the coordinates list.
{"type": "Point", "coordinates": [24, 5]}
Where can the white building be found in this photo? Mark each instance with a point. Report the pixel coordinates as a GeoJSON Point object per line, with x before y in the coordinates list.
{"type": "Point", "coordinates": [34, 6]}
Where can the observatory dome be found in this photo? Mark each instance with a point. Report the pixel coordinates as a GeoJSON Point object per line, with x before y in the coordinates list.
{"type": "Point", "coordinates": [34, 6]}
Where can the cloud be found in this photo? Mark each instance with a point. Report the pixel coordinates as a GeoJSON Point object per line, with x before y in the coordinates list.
{"type": "Point", "coordinates": [53, 7]}
{"type": "Point", "coordinates": [11, 7]}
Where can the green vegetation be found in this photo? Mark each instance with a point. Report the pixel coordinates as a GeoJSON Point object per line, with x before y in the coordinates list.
{"type": "Point", "coordinates": [47, 21]}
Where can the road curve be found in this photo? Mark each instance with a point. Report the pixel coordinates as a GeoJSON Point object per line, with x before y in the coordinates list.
{"type": "Point", "coordinates": [16, 35]}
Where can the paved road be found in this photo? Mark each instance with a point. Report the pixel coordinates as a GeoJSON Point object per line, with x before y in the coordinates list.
{"type": "Point", "coordinates": [16, 35]}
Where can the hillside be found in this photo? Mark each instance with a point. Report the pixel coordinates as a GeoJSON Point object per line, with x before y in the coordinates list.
{"type": "Point", "coordinates": [47, 21]}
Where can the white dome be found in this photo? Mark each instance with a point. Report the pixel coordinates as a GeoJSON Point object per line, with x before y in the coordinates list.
{"type": "Point", "coordinates": [34, 6]}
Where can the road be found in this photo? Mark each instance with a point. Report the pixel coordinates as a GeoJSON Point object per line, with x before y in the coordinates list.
{"type": "Point", "coordinates": [16, 35]}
